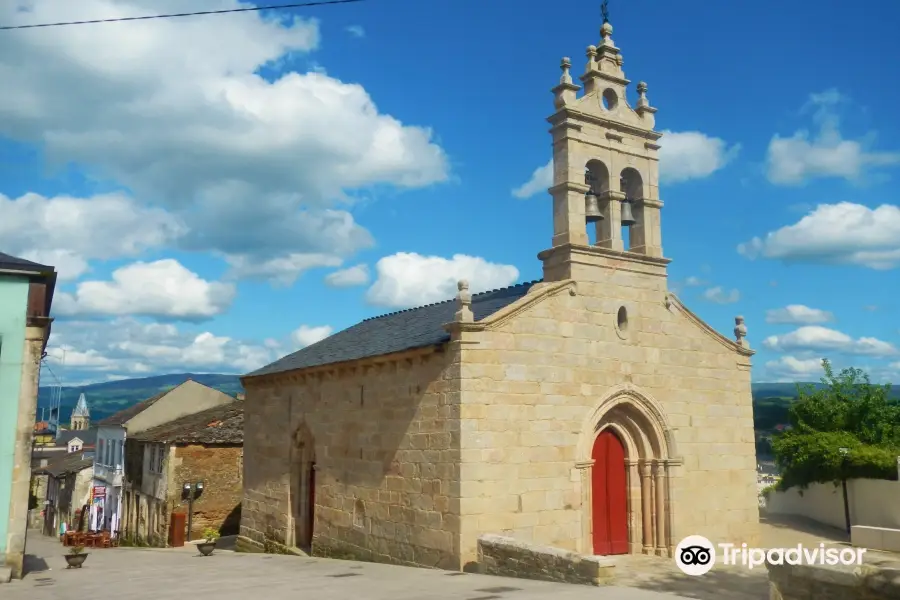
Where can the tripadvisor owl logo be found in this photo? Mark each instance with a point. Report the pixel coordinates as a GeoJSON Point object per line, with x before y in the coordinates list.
{"type": "Point", "coordinates": [695, 555]}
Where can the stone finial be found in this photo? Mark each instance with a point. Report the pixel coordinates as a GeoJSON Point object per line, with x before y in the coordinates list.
{"type": "Point", "coordinates": [740, 332]}
{"type": "Point", "coordinates": [606, 32]}
{"type": "Point", "coordinates": [565, 64]}
{"type": "Point", "coordinates": [592, 59]}
{"type": "Point", "coordinates": [642, 94]}
{"type": "Point", "coordinates": [463, 303]}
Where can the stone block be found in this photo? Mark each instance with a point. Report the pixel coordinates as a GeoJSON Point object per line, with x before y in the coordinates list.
{"type": "Point", "coordinates": [5, 575]}
{"type": "Point", "coordinates": [508, 557]}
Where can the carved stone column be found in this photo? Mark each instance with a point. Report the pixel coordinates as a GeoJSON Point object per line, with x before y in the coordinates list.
{"type": "Point", "coordinates": [634, 506]}
{"type": "Point", "coordinates": [661, 545]}
{"type": "Point", "coordinates": [646, 508]}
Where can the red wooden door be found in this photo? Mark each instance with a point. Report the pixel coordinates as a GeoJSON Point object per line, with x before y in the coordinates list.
{"type": "Point", "coordinates": [609, 496]}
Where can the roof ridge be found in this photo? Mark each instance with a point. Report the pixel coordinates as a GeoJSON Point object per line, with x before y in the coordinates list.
{"type": "Point", "coordinates": [474, 296]}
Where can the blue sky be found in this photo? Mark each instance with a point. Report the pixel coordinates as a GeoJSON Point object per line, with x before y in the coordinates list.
{"type": "Point", "coordinates": [220, 191]}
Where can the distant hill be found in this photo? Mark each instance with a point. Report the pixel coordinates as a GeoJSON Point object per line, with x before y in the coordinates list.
{"type": "Point", "coordinates": [770, 400]}
{"type": "Point", "coordinates": [107, 398]}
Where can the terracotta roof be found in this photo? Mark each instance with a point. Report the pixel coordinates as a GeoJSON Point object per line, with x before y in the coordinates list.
{"type": "Point", "coordinates": [70, 463]}
{"type": "Point", "coordinates": [218, 425]}
{"type": "Point", "coordinates": [394, 332]}
{"type": "Point", "coordinates": [123, 416]}
{"type": "Point", "coordinates": [41, 426]}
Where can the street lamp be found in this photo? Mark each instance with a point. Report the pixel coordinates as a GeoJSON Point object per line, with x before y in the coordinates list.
{"type": "Point", "coordinates": [844, 452]}
{"type": "Point", "coordinates": [190, 492]}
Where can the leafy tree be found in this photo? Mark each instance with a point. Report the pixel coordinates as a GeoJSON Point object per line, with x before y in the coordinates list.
{"type": "Point", "coordinates": [850, 412]}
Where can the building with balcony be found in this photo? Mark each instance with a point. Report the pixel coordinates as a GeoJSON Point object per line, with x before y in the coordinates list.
{"type": "Point", "coordinates": [111, 475]}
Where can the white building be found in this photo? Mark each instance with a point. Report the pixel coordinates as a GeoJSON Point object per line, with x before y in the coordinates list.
{"type": "Point", "coordinates": [110, 477]}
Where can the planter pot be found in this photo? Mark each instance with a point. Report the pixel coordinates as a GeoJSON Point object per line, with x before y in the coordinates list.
{"type": "Point", "coordinates": [206, 548]}
{"type": "Point", "coordinates": [75, 560]}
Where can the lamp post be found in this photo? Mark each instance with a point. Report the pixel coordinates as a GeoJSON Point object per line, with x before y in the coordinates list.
{"type": "Point", "coordinates": [844, 452]}
{"type": "Point", "coordinates": [190, 492]}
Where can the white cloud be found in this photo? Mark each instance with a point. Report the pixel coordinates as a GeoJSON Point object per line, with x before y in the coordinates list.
{"type": "Point", "coordinates": [540, 181]}
{"type": "Point", "coordinates": [682, 156]}
{"type": "Point", "coordinates": [127, 347]}
{"type": "Point", "coordinates": [719, 295]}
{"type": "Point", "coordinates": [814, 338]}
{"type": "Point", "coordinates": [305, 335]}
{"type": "Point", "coordinates": [790, 368]}
{"type": "Point", "coordinates": [349, 277]}
{"type": "Point", "coordinates": [692, 155]}
{"type": "Point", "coordinates": [244, 161]}
{"type": "Point", "coordinates": [67, 232]}
{"type": "Point", "coordinates": [163, 289]}
{"type": "Point", "coordinates": [843, 233]}
{"type": "Point", "coordinates": [356, 31]}
{"type": "Point", "coordinates": [798, 314]}
{"type": "Point", "coordinates": [283, 270]}
{"type": "Point", "coordinates": [408, 279]}
{"type": "Point", "coordinates": [826, 153]}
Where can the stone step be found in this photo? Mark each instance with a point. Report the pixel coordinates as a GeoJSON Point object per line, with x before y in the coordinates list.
{"type": "Point", "coordinates": [5, 574]}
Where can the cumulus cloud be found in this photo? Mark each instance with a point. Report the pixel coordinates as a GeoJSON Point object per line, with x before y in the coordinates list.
{"type": "Point", "coordinates": [128, 347]}
{"type": "Point", "coordinates": [814, 338]}
{"type": "Point", "coordinates": [163, 289]}
{"type": "Point", "coordinates": [790, 368]}
{"type": "Point", "coordinates": [245, 161]}
{"type": "Point", "coordinates": [540, 181]}
{"type": "Point", "coordinates": [305, 335]}
{"type": "Point", "coordinates": [689, 155]}
{"type": "Point", "coordinates": [843, 233]}
{"type": "Point", "coordinates": [67, 232]}
{"type": "Point", "coordinates": [683, 156]}
{"type": "Point", "coordinates": [349, 277]}
{"type": "Point", "coordinates": [719, 295]}
{"type": "Point", "coordinates": [825, 153]}
{"type": "Point", "coordinates": [798, 314]}
{"type": "Point", "coordinates": [407, 279]}
{"type": "Point", "coordinates": [281, 271]}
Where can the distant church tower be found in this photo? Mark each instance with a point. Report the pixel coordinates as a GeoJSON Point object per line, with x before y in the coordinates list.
{"type": "Point", "coordinates": [81, 416]}
{"type": "Point", "coordinates": [605, 175]}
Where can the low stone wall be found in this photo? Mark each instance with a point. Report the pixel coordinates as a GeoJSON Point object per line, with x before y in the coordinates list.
{"type": "Point", "coordinates": [823, 582]}
{"type": "Point", "coordinates": [507, 557]}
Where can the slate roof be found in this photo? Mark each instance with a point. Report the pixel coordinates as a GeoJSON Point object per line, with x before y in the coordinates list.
{"type": "Point", "coordinates": [126, 414]}
{"type": "Point", "coordinates": [218, 425]}
{"type": "Point", "coordinates": [394, 332]}
{"type": "Point", "coordinates": [14, 263]}
{"type": "Point", "coordinates": [70, 463]}
{"type": "Point", "coordinates": [87, 436]}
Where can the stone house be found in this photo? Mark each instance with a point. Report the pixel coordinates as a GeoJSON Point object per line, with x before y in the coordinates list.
{"type": "Point", "coordinates": [110, 472]}
{"type": "Point", "coordinates": [68, 490]}
{"type": "Point", "coordinates": [591, 410]}
{"type": "Point", "coordinates": [64, 442]}
{"type": "Point", "coordinates": [205, 448]}
{"type": "Point", "coordinates": [26, 296]}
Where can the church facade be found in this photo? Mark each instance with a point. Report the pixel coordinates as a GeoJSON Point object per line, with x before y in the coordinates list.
{"type": "Point", "coordinates": [591, 411]}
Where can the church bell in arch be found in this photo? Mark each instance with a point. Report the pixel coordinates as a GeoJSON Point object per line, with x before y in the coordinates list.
{"type": "Point", "coordinates": [592, 212]}
{"type": "Point", "coordinates": [627, 215]}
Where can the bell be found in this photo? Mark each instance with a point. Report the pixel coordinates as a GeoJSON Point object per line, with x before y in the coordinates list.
{"type": "Point", "coordinates": [627, 216]}
{"type": "Point", "coordinates": [592, 208]}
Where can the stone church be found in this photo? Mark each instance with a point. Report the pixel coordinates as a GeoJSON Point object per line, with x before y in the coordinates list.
{"type": "Point", "coordinates": [590, 411]}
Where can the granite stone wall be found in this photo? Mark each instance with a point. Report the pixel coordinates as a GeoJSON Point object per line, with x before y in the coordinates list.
{"type": "Point", "coordinates": [507, 557]}
{"type": "Point", "coordinates": [823, 582]}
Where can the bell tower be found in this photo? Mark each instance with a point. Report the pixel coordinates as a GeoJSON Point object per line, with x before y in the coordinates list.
{"type": "Point", "coordinates": [605, 171]}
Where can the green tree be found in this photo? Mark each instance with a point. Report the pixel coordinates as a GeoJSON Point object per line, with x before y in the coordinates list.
{"type": "Point", "coordinates": [850, 412]}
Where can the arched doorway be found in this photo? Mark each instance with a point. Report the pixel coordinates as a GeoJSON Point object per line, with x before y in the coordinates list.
{"type": "Point", "coordinates": [609, 495]}
{"type": "Point", "coordinates": [303, 487]}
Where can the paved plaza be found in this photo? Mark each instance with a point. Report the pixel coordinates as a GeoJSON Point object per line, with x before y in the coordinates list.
{"type": "Point", "coordinates": [157, 573]}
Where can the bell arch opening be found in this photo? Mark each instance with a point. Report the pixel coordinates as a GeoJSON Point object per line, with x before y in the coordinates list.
{"type": "Point", "coordinates": [639, 424]}
{"type": "Point", "coordinates": [597, 178]}
{"type": "Point", "coordinates": [632, 185]}
{"type": "Point", "coordinates": [303, 487]}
